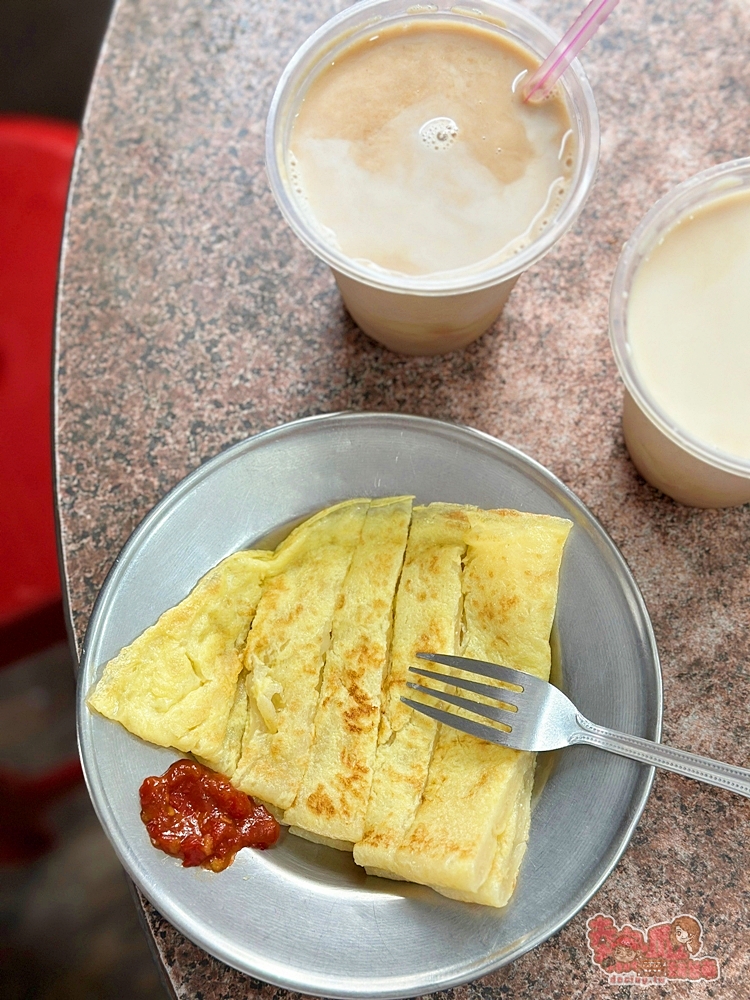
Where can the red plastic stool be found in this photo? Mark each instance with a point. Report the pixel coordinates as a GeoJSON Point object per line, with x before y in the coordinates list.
{"type": "Point", "coordinates": [36, 157]}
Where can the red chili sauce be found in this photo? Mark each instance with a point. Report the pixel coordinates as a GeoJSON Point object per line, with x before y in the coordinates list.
{"type": "Point", "coordinates": [195, 814]}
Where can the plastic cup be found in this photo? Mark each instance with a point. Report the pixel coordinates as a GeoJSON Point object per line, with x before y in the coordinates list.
{"type": "Point", "coordinates": [687, 469]}
{"type": "Point", "coordinates": [427, 314]}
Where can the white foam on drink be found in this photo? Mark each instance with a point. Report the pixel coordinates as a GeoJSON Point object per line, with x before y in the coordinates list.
{"type": "Point", "coordinates": [439, 133]}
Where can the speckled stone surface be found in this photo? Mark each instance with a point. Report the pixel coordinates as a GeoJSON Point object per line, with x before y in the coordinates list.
{"type": "Point", "coordinates": [190, 317]}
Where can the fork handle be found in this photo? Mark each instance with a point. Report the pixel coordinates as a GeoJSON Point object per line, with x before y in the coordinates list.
{"type": "Point", "coordinates": [713, 772]}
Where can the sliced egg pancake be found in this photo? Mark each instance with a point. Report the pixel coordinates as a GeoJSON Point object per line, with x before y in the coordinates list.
{"type": "Point", "coordinates": [473, 786]}
{"type": "Point", "coordinates": [333, 796]}
{"type": "Point", "coordinates": [287, 648]}
{"type": "Point", "coordinates": [285, 670]}
{"type": "Point", "coordinates": [427, 617]}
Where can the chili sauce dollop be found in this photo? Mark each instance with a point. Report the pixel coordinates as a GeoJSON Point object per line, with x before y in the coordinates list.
{"type": "Point", "coordinates": [197, 815]}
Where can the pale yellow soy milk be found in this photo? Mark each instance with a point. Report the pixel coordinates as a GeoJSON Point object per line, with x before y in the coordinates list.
{"type": "Point", "coordinates": [413, 153]}
{"type": "Point", "coordinates": [688, 323]}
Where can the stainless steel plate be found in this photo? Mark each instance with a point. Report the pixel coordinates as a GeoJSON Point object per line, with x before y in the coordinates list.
{"type": "Point", "coordinates": [303, 916]}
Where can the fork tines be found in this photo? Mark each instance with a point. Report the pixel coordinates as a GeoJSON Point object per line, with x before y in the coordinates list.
{"type": "Point", "coordinates": [498, 694]}
{"type": "Point", "coordinates": [494, 670]}
{"type": "Point", "coordinates": [501, 711]}
{"type": "Point", "coordinates": [477, 729]}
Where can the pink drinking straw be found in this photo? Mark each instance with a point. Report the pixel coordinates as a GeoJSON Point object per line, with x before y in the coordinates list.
{"type": "Point", "coordinates": [540, 84]}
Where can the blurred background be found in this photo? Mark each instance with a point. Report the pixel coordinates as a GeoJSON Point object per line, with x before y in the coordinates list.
{"type": "Point", "coordinates": [68, 924]}
{"type": "Point", "coordinates": [48, 50]}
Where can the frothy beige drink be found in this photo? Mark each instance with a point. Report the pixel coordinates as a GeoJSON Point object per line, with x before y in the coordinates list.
{"type": "Point", "coordinates": [412, 151]}
{"type": "Point", "coordinates": [400, 152]}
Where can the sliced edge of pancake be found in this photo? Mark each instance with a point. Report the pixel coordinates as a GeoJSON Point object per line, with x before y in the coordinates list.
{"type": "Point", "coordinates": [332, 798]}
{"type": "Point", "coordinates": [226, 757]}
{"type": "Point", "coordinates": [427, 616]}
{"type": "Point", "coordinates": [510, 848]}
{"type": "Point", "coordinates": [510, 594]}
{"type": "Point", "coordinates": [315, 838]}
{"type": "Point", "coordinates": [286, 651]}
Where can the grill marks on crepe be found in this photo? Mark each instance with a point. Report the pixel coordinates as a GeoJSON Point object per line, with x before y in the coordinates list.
{"type": "Point", "coordinates": [287, 648]}
{"type": "Point", "coordinates": [311, 722]}
{"type": "Point", "coordinates": [476, 791]}
{"type": "Point", "coordinates": [427, 617]}
{"type": "Point", "coordinates": [333, 796]}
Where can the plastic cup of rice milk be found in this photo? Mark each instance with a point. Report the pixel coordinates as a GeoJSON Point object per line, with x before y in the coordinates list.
{"type": "Point", "coordinates": [680, 330]}
{"type": "Point", "coordinates": [400, 152]}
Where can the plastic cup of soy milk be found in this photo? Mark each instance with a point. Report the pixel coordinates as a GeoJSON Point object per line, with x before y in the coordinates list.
{"type": "Point", "coordinates": [680, 330]}
{"type": "Point", "coordinates": [426, 188]}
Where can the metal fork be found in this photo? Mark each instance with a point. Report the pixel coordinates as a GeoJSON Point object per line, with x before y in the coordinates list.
{"type": "Point", "coordinates": [538, 716]}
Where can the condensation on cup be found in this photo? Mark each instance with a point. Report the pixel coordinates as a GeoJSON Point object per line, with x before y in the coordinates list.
{"type": "Point", "coordinates": [444, 309]}
{"type": "Point", "coordinates": [679, 321]}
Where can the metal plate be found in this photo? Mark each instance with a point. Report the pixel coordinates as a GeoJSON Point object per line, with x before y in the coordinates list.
{"type": "Point", "coordinates": [304, 916]}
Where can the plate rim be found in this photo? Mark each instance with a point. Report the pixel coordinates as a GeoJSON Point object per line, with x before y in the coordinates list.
{"type": "Point", "coordinates": [172, 913]}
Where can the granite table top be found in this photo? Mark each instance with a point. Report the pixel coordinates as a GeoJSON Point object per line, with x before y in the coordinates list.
{"type": "Point", "coordinates": [190, 317]}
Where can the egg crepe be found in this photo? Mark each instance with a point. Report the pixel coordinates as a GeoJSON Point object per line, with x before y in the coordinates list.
{"type": "Point", "coordinates": [285, 671]}
{"type": "Point", "coordinates": [332, 799]}
{"type": "Point", "coordinates": [286, 651]}
{"type": "Point", "coordinates": [476, 790]}
{"type": "Point", "coordinates": [427, 617]}
{"type": "Point", "coordinates": [175, 684]}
